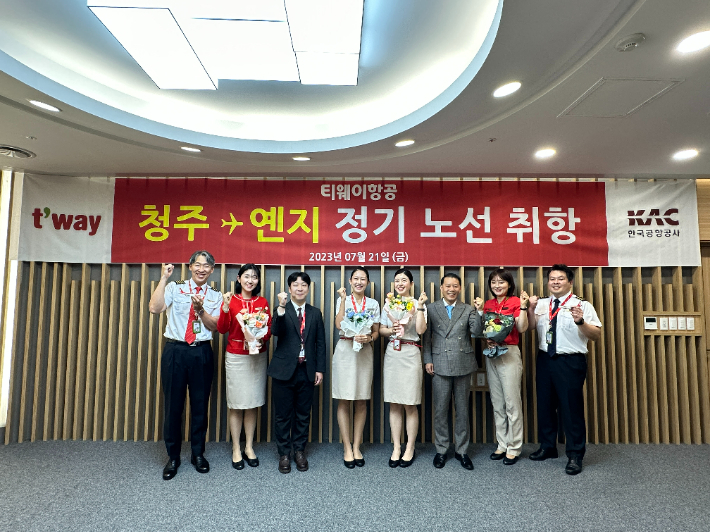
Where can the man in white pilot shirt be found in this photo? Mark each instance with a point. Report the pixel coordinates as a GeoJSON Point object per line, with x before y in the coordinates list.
{"type": "Point", "coordinates": [564, 324]}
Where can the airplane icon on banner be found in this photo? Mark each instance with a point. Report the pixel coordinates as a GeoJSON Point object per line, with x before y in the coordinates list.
{"type": "Point", "coordinates": [233, 223]}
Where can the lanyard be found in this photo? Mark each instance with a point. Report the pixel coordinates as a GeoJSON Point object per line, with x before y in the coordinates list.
{"type": "Point", "coordinates": [197, 288]}
{"type": "Point", "coordinates": [364, 301]}
{"type": "Point", "coordinates": [551, 314]}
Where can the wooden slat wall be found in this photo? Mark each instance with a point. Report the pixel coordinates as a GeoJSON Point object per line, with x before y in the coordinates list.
{"type": "Point", "coordinates": [86, 361]}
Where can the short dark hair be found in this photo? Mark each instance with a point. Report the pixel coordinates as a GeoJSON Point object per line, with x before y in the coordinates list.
{"type": "Point", "coordinates": [295, 275]}
{"type": "Point", "coordinates": [406, 272]}
{"type": "Point", "coordinates": [452, 275]}
{"type": "Point", "coordinates": [244, 268]}
{"type": "Point", "coordinates": [360, 269]}
{"type": "Point", "coordinates": [561, 268]}
{"type": "Point", "coordinates": [506, 276]}
{"type": "Point", "coordinates": [208, 257]}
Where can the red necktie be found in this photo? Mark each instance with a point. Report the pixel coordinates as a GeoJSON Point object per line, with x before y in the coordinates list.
{"type": "Point", "coordinates": [190, 335]}
{"type": "Point", "coordinates": [302, 324]}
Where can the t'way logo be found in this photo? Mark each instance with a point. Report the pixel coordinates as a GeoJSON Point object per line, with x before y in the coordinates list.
{"type": "Point", "coordinates": [637, 217]}
{"type": "Point", "coordinates": [77, 222]}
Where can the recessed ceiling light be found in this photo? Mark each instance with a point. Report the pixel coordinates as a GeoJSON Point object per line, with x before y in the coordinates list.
{"type": "Point", "coordinates": [188, 148]}
{"type": "Point", "coordinates": [45, 106]}
{"type": "Point", "coordinates": [685, 154]}
{"type": "Point", "coordinates": [695, 42]}
{"type": "Point", "coordinates": [301, 159]}
{"type": "Point", "coordinates": [404, 143]}
{"type": "Point", "coordinates": [508, 88]}
{"type": "Point", "coordinates": [544, 154]}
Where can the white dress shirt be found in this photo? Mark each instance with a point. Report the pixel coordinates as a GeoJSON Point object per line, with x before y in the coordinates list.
{"type": "Point", "coordinates": [569, 337]}
{"type": "Point", "coordinates": [178, 298]}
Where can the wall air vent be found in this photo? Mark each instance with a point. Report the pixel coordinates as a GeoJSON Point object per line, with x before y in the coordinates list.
{"type": "Point", "coordinates": [16, 153]}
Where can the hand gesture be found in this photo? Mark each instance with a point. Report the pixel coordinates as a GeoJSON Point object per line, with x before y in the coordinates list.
{"type": "Point", "coordinates": [478, 303]}
{"type": "Point", "coordinates": [226, 298]}
{"type": "Point", "coordinates": [577, 313]}
{"type": "Point", "coordinates": [283, 299]}
{"type": "Point", "coordinates": [524, 298]}
{"type": "Point", "coordinates": [342, 293]}
{"type": "Point", "coordinates": [197, 302]}
{"type": "Point", "coordinates": [532, 301]}
{"type": "Point", "coordinates": [422, 299]}
{"type": "Point", "coordinates": [167, 271]}
{"type": "Point", "coordinates": [429, 368]}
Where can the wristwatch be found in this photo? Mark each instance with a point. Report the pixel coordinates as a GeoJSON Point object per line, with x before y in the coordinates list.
{"type": "Point", "coordinates": [580, 322]}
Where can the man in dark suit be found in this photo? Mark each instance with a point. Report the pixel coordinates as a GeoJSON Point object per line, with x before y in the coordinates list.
{"type": "Point", "coordinates": [296, 368]}
{"type": "Point", "coordinates": [449, 359]}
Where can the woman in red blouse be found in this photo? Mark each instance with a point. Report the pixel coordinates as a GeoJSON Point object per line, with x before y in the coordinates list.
{"type": "Point", "coordinates": [246, 374]}
{"type": "Point", "coordinates": [505, 372]}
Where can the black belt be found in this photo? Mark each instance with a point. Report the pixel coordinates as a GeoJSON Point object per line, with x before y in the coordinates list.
{"type": "Point", "coordinates": [565, 354]}
{"type": "Point", "coordinates": [194, 344]}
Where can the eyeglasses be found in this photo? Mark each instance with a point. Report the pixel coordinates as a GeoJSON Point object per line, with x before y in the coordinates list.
{"type": "Point", "coordinates": [248, 277]}
{"type": "Point", "coordinates": [201, 265]}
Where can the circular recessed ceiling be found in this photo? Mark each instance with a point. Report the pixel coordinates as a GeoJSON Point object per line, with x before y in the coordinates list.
{"type": "Point", "coordinates": [416, 56]}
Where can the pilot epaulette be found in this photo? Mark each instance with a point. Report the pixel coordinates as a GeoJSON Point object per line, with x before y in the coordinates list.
{"type": "Point", "coordinates": [213, 289]}
{"type": "Point", "coordinates": [180, 282]}
{"type": "Point", "coordinates": [580, 298]}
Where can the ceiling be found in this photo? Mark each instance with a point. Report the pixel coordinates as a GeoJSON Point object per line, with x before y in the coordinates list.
{"type": "Point", "coordinates": [606, 113]}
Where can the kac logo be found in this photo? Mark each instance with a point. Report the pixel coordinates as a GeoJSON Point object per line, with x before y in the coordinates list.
{"type": "Point", "coordinates": [77, 222]}
{"type": "Point", "coordinates": [641, 218]}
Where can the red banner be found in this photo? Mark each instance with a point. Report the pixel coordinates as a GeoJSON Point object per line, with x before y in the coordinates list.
{"type": "Point", "coordinates": [482, 223]}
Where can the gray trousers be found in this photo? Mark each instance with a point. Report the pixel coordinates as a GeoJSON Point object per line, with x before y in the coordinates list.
{"type": "Point", "coordinates": [442, 388]}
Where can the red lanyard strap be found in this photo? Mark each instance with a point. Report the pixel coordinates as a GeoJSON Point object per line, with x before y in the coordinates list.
{"type": "Point", "coordinates": [364, 301]}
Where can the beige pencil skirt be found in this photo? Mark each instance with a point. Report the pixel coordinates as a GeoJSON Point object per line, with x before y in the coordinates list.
{"type": "Point", "coordinates": [402, 375]}
{"type": "Point", "coordinates": [352, 371]}
{"type": "Point", "coordinates": [246, 380]}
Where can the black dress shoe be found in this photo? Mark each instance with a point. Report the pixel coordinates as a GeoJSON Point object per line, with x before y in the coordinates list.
{"type": "Point", "coordinates": [574, 466]}
{"type": "Point", "coordinates": [252, 462]}
{"type": "Point", "coordinates": [301, 461]}
{"type": "Point", "coordinates": [395, 463]}
{"type": "Point", "coordinates": [465, 461]}
{"type": "Point", "coordinates": [170, 469]}
{"type": "Point", "coordinates": [439, 460]}
{"type": "Point", "coordinates": [543, 454]}
{"type": "Point", "coordinates": [350, 464]}
{"type": "Point", "coordinates": [497, 456]}
{"type": "Point", "coordinates": [285, 464]}
{"type": "Point", "coordinates": [201, 464]}
{"type": "Point", "coordinates": [238, 465]}
{"type": "Point", "coordinates": [407, 463]}
{"type": "Point", "coordinates": [360, 462]}
{"type": "Point", "coordinates": [510, 461]}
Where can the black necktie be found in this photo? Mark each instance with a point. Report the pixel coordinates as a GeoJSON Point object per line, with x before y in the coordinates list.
{"type": "Point", "coordinates": [552, 346]}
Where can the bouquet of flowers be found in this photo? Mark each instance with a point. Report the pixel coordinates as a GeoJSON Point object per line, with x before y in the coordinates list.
{"type": "Point", "coordinates": [255, 326]}
{"type": "Point", "coordinates": [399, 308]}
{"type": "Point", "coordinates": [496, 327]}
{"type": "Point", "coordinates": [355, 323]}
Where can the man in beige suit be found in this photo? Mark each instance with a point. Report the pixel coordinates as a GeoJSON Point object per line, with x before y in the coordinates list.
{"type": "Point", "coordinates": [449, 359]}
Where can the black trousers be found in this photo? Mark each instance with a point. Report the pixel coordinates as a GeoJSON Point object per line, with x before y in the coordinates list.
{"type": "Point", "coordinates": [186, 368]}
{"type": "Point", "coordinates": [560, 381]}
{"type": "Point", "coordinates": [292, 410]}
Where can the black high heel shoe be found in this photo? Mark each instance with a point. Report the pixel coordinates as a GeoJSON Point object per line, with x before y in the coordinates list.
{"type": "Point", "coordinates": [350, 464]}
{"type": "Point", "coordinates": [395, 463]}
{"type": "Point", "coordinates": [360, 462]}
{"type": "Point", "coordinates": [238, 465]}
{"type": "Point", "coordinates": [252, 462]}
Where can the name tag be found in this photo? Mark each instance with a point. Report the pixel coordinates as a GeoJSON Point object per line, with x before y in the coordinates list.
{"type": "Point", "coordinates": [397, 344]}
{"type": "Point", "coordinates": [548, 337]}
{"type": "Point", "coordinates": [196, 327]}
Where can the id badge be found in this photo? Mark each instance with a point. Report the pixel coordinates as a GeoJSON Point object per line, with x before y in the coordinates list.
{"type": "Point", "coordinates": [196, 327]}
{"type": "Point", "coordinates": [548, 338]}
{"type": "Point", "coordinates": [397, 344]}
{"type": "Point", "coordinates": [302, 354]}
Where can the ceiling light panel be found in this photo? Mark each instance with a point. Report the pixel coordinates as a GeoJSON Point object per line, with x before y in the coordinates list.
{"type": "Point", "coordinates": [183, 44]}
{"type": "Point", "coordinates": [154, 39]}
{"type": "Point", "coordinates": [325, 25]}
{"type": "Point", "coordinates": [695, 42]}
{"type": "Point", "coordinates": [327, 69]}
{"type": "Point", "coordinates": [244, 50]}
